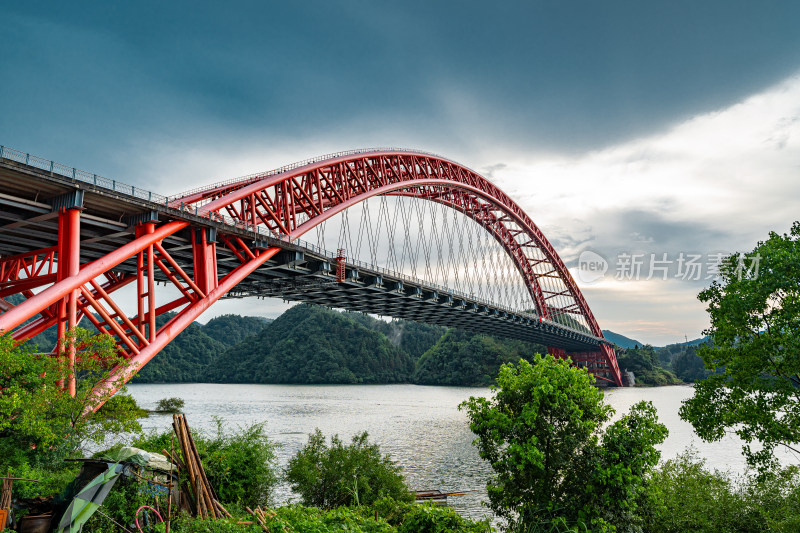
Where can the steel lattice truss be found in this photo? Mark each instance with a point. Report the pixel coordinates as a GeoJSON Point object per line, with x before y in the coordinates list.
{"type": "Point", "coordinates": [424, 190]}
{"type": "Point", "coordinates": [294, 202]}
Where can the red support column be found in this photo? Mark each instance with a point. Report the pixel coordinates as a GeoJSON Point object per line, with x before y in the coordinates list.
{"type": "Point", "coordinates": [558, 353]}
{"type": "Point", "coordinates": [145, 284]}
{"type": "Point", "coordinates": [204, 253]}
{"type": "Point", "coordinates": [252, 200]}
{"type": "Point", "coordinates": [69, 258]}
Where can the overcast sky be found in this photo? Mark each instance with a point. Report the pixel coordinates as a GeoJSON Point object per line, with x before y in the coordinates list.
{"type": "Point", "coordinates": [623, 128]}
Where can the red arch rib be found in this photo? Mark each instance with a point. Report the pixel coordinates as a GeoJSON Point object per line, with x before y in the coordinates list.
{"type": "Point", "coordinates": [296, 200]}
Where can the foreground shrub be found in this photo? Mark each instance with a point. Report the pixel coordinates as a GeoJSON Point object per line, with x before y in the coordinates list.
{"type": "Point", "coordinates": [683, 495]}
{"type": "Point", "coordinates": [51, 480]}
{"type": "Point", "coordinates": [403, 518]}
{"type": "Point", "coordinates": [541, 433]}
{"type": "Point", "coordinates": [240, 465]}
{"type": "Point", "coordinates": [342, 475]}
{"type": "Point", "coordinates": [386, 516]}
{"type": "Point", "coordinates": [121, 404]}
{"type": "Point", "coordinates": [425, 518]}
{"type": "Point", "coordinates": [296, 518]}
{"type": "Point", "coordinates": [188, 524]}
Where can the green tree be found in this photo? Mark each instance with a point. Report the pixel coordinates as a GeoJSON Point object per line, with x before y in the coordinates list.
{"type": "Point", "coordinates": [170, 405]}
{"type": "Point", "coordinates": [685, 495]}
{"type": "Point", "coordinates": [689, 366]}
{"type": "Point", "coordinates": [616, 483]}
{"type": "Point", "coordinates": [541, 433]}
{"type": "Point", "coordinates": [336, 475]}
{"type": "Point", "coordinates": [755, 319]}
{"type": "Point", "coordinates": [40, 424]}
{"type": "Point", "coordinates": [427, 517]}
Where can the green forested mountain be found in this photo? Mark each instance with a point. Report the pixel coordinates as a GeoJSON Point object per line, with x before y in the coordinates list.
{"type": "Point", "coordinates": [185, 358]}
{"type": "Point", "coordinates": [414, 338]}
{"type": "Point", "coordinates": [672, 364]}
{"type": "Point", "coordinates": [310, 344]}
{"type": "Point", "coordinates": [192, 354]}
{"type": "Point", "coordinates": [683, 360]}
{"type": "Point", "coordinates": [621, 340]}
{"type": "Point", "coordinates": [189, 357]}
{"type": "Point", "coordinates": [233, 329]}
{"type": "Point", "coordinates": [461, 358]}
{"type": "Point", "coordinates": [688, 366]}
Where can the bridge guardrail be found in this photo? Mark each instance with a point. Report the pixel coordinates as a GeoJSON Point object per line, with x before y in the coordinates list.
{"type": "Point", "coordinates": [80, 175]}
{"type": "Point", "coordinates": [143, 194]}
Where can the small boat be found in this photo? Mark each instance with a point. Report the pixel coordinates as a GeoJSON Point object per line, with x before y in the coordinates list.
{"type": "Point", "coordinates": [425, 495]}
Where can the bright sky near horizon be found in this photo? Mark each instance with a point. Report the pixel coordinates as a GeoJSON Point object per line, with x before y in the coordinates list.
{"type": "Point", "coordinates": [647, 133]}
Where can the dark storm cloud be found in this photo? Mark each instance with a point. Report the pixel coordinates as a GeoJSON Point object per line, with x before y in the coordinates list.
{"type": "Point", "coordinates": [559, 76]}
{"type": "Point", "coordinates": [636, 230]}
{"type": "Point", "coordinates": [659, 231]}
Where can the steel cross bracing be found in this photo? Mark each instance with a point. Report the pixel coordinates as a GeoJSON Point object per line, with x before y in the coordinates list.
{"type": "Point", "coordinates": [68, 245]}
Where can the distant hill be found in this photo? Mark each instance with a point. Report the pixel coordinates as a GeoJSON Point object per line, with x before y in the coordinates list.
{"type": "Point", "coordinates": [310, 344]}
{"type": "Point", "coordinates": [626, 342]}
{"type": "Point", "coordinates": [654, 365]}
{"type": "Point", "coordinates": [621, 340]}
{"type": "Point", "coordinates": [469, 359]}
{"type": "Point", "coordinates": [414, 338]}
{"type": "Point", "coordinates": [192, 354]}
{"type": "Point", "coordinates": [233, 329]}
{"type": "Point", "coordinates": [695, 342]}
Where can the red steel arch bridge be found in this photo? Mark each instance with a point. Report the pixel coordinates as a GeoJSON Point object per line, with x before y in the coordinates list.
{"type": "Point", "coordinates": [393, 232]}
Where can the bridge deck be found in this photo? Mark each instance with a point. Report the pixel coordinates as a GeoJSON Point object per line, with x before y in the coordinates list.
{"type": "Point", "coordinates": [31, 197]}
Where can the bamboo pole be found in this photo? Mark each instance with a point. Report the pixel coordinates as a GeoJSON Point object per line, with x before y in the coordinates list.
{"type": "Point", "coordinates": [186, 501]}
{"type": "Point", "coordinates": [177, 426]}
{"type": "Point", "coordinates": [201, 500]}
{"type": "Point", "coordinates": [208, 489]}
{"type": "Point", "coordinates": [191, 462]}
{"type": "Point", "coordinates": [261, 522]}
{"type": "Point", "coordinates": [174, 459]}
{"type": "Point", "coordinates": [5, 500]}
{"type": "Point", "coordinates": [221, 508]}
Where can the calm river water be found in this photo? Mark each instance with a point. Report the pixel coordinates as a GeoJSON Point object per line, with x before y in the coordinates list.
{"type": "Point", "coordinates": [420, 426]}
